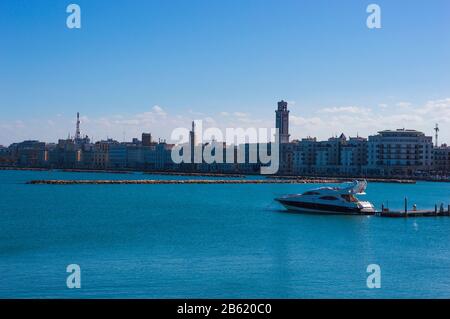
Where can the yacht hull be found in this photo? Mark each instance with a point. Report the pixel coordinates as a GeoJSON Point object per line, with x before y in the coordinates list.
{"type": "Point", "coordinates": [314, 208]}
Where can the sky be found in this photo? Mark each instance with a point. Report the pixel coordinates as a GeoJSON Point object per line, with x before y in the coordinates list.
{"type": "Point", "coordinates": [155, 65]}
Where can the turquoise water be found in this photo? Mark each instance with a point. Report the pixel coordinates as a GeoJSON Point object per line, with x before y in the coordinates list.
{"type": "Point", "coordinates": [201, 241]}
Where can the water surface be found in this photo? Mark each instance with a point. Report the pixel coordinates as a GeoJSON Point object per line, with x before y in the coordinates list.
{"type": "Point", "coordinates": [225, 241]}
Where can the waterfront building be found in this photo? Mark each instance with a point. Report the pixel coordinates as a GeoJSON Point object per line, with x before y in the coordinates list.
{"type": "Point", "coordinates": [65, 154]}
{"type": "Point", "coordinates": [146, 139]}
{"type": "Point", "coordinates": [101, 154]}
{"type": "Point", "coordinates": [399, 152]}
{"type": "Point", "coordinates": [28, 153]}
{"type": "Point", "coordinates": [334, 146]}
{"type": "Point", "coordinates": [87, 155]}
{"type": "Point", "coordinates": [5, 157]}
{"type": "Point", "coordinates": [282, 121]}
{"type": "Point", "coordinates": [441, 159]}
{"type": "Point", "coordinates": [117, 155]}
{"type": "Point", "coordinates": [304, 155]}
{"type": "Point", "coordinates": [158, 157]}
{"type": "Point", "coordinates": [354, 156]}
{"type": "Point", "coordinates": [327, 155]}
{"type": "Point", "coordinates": [286, 158]}
{"type": "Point", "coordinates": [135, 156]}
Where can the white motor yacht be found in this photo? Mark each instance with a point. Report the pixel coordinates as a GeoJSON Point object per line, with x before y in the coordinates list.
{"type": "Point", "coordinates": [330, 200]}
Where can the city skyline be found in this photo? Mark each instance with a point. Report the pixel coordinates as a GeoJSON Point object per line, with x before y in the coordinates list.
{"type": "Point", "coordinates": [227, 68]}
{"type": "Point", "coordinates": [76, 130]}
{"type": "Point", "coordinates": [399, 152]}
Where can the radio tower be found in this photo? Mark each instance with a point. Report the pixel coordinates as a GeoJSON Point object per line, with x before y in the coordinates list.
{"type": "Point", "coordinates": [436, 129]}
{"type": "Point", "coordinates": [77, 132]}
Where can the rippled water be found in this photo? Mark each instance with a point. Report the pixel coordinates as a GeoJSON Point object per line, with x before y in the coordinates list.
{"type": "Point", "coordinates": [161, 241]}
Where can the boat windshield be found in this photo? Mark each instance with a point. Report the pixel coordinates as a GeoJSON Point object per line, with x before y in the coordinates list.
{"type": "Point", "coordinates": [349, 198]}
{"type": "Point", "coordinates": [311, 193]}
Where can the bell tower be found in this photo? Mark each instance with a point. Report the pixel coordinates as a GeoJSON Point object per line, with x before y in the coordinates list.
{"type": "Point", "coordinates": [282, 121]}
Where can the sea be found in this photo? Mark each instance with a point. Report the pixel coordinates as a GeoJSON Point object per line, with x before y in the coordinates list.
{"type": "Point", "coordinates": [213, 241]}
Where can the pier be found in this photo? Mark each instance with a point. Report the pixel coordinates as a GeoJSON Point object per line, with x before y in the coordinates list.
{"type": "Point", "coordinates": [438, 211]}
{"type": "Point", "coordinates": [419, 213]}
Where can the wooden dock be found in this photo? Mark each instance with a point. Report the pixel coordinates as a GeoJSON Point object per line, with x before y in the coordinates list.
{"type": "Point", "coordinates": [438, 211]}
{"type": "Point", "coordinates": [418, 213]}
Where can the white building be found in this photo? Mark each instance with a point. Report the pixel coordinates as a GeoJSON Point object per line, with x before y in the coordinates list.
{"type": "Point", "coordinates": [354, 156]}
{"type": "Point", "coordinates": [399, 152]}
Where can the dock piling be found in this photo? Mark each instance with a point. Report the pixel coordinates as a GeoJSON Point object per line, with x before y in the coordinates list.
{"type": "Point", "coordinates": [406, 206]}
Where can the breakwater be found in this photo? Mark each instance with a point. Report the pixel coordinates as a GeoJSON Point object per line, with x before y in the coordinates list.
{"type": "Point", "coordinates": [195, 174]}
{"type": "Point", "coordinates": [13, 168]}
{"type": "Point", "coordinates": [346, 179]}
{"type": "Point", "coordinates": [189, 181]}
{"type": "Point", "coordinates": [73, 170]}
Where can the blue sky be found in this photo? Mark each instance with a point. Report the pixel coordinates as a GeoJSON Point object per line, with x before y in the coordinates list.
{"type": "Point", "coordinates": [153, 65]}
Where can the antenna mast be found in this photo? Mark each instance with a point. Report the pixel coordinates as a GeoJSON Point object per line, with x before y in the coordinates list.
{"type": "Point", "coordinates": [436, 129]}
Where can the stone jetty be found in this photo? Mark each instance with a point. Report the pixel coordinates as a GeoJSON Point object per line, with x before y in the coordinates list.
{"type": "Point", "coordinates": [196, 174]}
{"type": "Point", "coordinates": [187, 181]}
{"type": "Point", "coordinates": [346, 179]}
{"type": "Point", "coordinates": [75, 170]}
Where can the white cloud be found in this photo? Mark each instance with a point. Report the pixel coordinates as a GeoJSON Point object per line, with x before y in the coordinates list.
{"type": "Point", "coordinates": [158, 110]}
{"type": "Point", "coordinates": [160, 122]}
{"type": "Point", "coordinates": [437, 110]}
{"type": "Point", "coordinates": [345, 109]}
{"type": "Point", "coordinates": [403, 104]}
{"type": "Point", "coordinates": [300, 121]}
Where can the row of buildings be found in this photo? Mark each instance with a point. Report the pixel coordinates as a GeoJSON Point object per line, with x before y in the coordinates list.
{"type": "Point", "coordinates": [70, 153]}
{"type": "Point", "coordinates": [399, 152]}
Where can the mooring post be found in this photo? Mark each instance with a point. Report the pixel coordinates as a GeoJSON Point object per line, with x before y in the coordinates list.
{"type": "Point", "coordinates": [435, 209]}
{"type": "Point", "coordinates": [406, 206]}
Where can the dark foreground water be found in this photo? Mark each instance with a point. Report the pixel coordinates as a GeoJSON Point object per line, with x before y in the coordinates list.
{"type": "Point", "coordinates": [161, 241]}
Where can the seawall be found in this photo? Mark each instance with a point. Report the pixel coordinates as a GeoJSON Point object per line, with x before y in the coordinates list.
{"type": "Point", "coordinates": [190, 181]}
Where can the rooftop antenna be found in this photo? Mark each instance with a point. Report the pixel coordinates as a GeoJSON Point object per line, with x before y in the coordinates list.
{"type": "Point", "coordinates": [77, 132]}
{"type": "Point", "coordinates": [436, 129]}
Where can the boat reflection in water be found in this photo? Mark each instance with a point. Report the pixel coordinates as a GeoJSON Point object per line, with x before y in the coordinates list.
{"type": "Point", "coordinates": [330, 200]}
